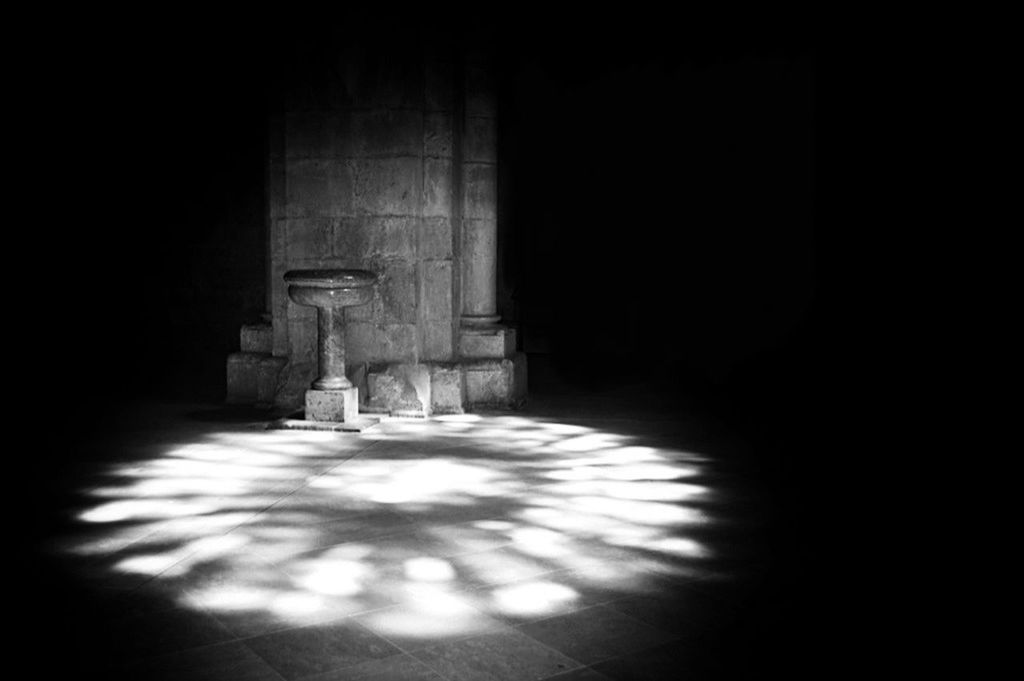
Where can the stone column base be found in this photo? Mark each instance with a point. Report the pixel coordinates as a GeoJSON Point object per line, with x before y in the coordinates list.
{"type": "Point", "coordinates": [447, 387]}
{"type": "Point", "coordinates": [332, 405]}
{"type": "Point", "coordinates": [495, 383]}
{"type": "Point", "coordinates": [491, 342]}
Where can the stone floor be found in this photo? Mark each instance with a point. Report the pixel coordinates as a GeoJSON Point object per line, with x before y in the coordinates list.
{"type": "Point", "coordinates": [571, 541]}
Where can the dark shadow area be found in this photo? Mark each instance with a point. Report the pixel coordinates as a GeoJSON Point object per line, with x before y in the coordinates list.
{"type": "Point", "coordinates": [232, 413]}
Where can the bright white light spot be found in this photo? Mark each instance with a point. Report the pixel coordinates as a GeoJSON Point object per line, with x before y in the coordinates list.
{"type": "Point", "coordinates": [679, 546]}
{"type": "Point", "coordinates": [649, 471]}
{"type": "Point", "coordinates": [494, 525]}
{"type": "Point", "coordinates": [629, 534]}
{"type": "Point", "coordinates": [425, 480]}
{"type": "Point", "coordinates": [429, 618]}
{"type": "Point", "coordinates": [534, 598]}
{"type": "Point", "coordinates": [230, 598]}
{"type": "Point", "coordinates": [650, 490]}
{"type": "Point", "coordinates": [642, 512]}
{"type": "Point", "coordinates": [565, 520]}
{"type": "Point", "coordinates": [435, 598]}
{"type": "Point", "coordinates": [539, 541]}
{"type": "Point", "coordinates": [427, 569]}
{"type": "Point", "coordinates": [632, 454]}
{"type": "Point", "coordinates": [642, 490]}
{"type": "Point", "coordinates": [211, 547]}
{"type": "Point", "coordinates": [166, 487]}
{"type": "Point", "coordinates": [131, 509]}
{"type": "Point", "coordinates": [152, 564]}
{"type": "Point", "coordinates": [204, 452]}
{"type": "Point", "coordinates": [333, 578]}
{"type": "Point", "coordinates": [297, 604]}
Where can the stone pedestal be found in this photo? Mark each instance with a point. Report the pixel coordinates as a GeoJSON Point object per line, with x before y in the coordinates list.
{"type": "Point", "coordinates": [332, 405]}
{"type": "Point", "coordinates": [331, 397]}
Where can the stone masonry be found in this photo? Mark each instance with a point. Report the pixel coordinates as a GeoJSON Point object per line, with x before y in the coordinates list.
{"type": "Point", "coordinates": [383, 157]}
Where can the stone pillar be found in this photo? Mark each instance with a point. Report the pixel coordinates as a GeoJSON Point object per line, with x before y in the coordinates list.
{"type": "Point", "coordinates": [479, 195]}
{"type": "Point", "coordinates": [494, 373]}
{"type": "Point", "coordinates": [331, 349]}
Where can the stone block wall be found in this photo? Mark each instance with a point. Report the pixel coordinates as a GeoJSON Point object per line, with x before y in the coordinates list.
{"type": "Point", "coordinates": [384, 157]}
{"type": "Point", "coordinates": [361, 176]}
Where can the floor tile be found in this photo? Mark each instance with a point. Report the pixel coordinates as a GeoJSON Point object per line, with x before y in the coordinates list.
{"type": "Point", "coordinates": [149, 634]}
{"type": "Point", "coordinates": [670, 662]}
{"type": "Point", "coordinates": [447, 512]}
{"type": "Point", "coordinates": [428, 615]}
{"type": "Point", "coordinates": [464, 537]}
{"type": "Point", "coordinates": [395, 668]}
{"type": "Point", "coordinates": [500, 656]}
{"type": "Point", "coordinates": [232, 661]}
{"type": "Point", "coordinates": [501, 566]}
{"type": "Point", "coordinates": [594, 634]}
{"type": "Point", "coordinates": [305, 651]}
{"type": "Point", "coordinates": [540, 597]}
{"type": "Point", "coordinates": [582, 674]}
{"type": "Point", "coordinates": [368, 525]}
{"type": "Point", "coordinates": [685, 612]}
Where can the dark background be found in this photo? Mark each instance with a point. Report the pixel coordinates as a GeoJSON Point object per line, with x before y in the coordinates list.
{"type": "Point", "coordinates": [656, 200]}
{"type": "Point", "coordinates": [656, 196]}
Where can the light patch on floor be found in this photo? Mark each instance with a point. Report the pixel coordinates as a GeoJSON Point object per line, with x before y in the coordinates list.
{"type": "Point", "coordinates": [559, 498]}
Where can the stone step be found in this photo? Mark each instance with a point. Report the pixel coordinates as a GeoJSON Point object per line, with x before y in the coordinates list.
{"type": "Point", "coordinates": [495, 383]}
{"type": "Point", "coordinates": [252, 378]}
{"type": "Point", "coordinates": [487, 343]}
{"type": "Point", "coordinates": [257, 337]}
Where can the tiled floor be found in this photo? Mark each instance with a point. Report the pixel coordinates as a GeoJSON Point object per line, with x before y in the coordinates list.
{"type": "Point", "coordinates": [501, 547]}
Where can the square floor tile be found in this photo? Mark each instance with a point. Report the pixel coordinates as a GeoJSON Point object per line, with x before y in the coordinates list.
{"type": "Point", "coordinates": [429, 614]}
{"type": "Point", "coordinates": [670, 662]}
{"type": "Point", "coordinates": [153, 633]}
{"type": "Point", "coordinates": [582, 674]}
{"type": "Point", "coordinates": [232, 661]}
{"type": "Point", "coordinates": [499, 656]}
{"type": "Point", "coordinates": [395, 668]}
{"type": "Point", "coordinates": [501, 566]}
{"type": "Point", "coordinates": [540, 597]}
{"type": "Point", "coordinates": [305, 651]}
{"type": "Point", "coordinates": [594, 634]}
{"type": "Point", "coordinates": [685, 612]}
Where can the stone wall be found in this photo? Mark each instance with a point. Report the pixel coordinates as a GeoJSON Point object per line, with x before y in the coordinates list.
{"type": "Point", "coordinates": [361, 177]}
{"type": "Point", "coordinates": [383, 156]}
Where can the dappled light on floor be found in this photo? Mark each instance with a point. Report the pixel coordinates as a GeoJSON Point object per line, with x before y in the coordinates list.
{"type": "Point", "coordinates": [429, 529]}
